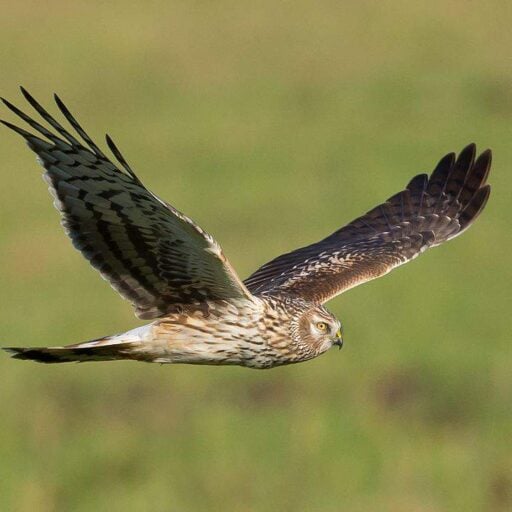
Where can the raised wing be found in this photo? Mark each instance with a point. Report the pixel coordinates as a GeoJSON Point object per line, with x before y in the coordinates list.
{"type": "Point", "coordinates": [152, 254]}
{"type": "Point", "coordinates": [430, 211]}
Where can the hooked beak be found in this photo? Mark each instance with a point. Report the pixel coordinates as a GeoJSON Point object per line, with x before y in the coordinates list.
{"type": "Point", "coordinates": [338, 340]}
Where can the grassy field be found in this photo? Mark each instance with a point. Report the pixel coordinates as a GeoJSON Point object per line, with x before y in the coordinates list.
{"type": "Point", "coordinates": [270, 124]}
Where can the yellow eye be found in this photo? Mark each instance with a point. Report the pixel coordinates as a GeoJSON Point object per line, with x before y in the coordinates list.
{"type": "Point", "coordinates": [321, 326]}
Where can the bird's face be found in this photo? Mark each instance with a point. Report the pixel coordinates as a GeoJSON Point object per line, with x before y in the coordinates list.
{"type": "Point", "coordinates": [320, 329]}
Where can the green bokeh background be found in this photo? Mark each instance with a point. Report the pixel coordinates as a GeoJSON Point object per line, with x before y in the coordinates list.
{"type": "Point", "coordinates": [271, 124]}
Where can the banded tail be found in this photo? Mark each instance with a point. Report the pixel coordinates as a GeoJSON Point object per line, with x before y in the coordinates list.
{"type": "Point", "coordinates": [122, 346]}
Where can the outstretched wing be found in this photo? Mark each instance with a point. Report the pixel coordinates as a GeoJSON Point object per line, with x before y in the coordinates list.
{"type": "Point", "coordinates": [430, 211]}
{"type": "Point", "coordinates": [152, 254]}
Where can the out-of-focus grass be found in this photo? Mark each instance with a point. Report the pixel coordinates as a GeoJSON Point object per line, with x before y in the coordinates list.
{"type": "Point", "coordinates": [271, 125]}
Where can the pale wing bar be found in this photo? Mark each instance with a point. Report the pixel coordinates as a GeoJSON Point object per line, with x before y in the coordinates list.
{"type": "Point", "coordinates": [152, 254]}
{"type": "Point", "coordinates": [430, 211]}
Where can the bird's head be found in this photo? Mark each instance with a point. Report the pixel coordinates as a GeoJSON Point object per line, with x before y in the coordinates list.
{"type": "Point", "coordinates": [319, 329]}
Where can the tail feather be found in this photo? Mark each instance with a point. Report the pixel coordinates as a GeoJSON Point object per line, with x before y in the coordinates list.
{"type": "Point", "coordinates": [74, 353]}
{"type": "Point", "coordinates": [127, 345]}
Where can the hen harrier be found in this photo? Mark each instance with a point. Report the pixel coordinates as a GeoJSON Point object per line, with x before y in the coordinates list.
{"type": "Point", "coordinates": [176, 274]}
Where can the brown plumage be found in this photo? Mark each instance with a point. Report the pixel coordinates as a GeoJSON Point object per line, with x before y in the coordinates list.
{"type": "Point", "coordinates": [176, 274]}
{"type": "Point", "coordinates": [428, 212]}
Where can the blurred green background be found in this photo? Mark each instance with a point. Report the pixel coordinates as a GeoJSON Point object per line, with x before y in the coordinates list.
{"type": "Point", "coordinates": [271, 124]}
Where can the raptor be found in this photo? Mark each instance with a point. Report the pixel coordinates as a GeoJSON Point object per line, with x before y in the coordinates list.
{"type": "Point", "coordinates": [177, 277]}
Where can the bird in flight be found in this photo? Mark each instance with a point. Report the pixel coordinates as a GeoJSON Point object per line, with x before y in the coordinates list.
{"type": "Point", "coordinates": [176, 275]}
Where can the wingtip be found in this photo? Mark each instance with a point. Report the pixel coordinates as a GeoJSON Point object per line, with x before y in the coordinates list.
{"type": "Point", "coordinates": [470, 147]}
{"type": "Point", "coordinates": [112, 146]}
{"type": "Point", "coordinates": [61, 105]}
{"type": "Point", "coordinates": [487, 189]}
{"type": "Point", "coordinates": [481, 198]}
{"type": "Point", "coordinates": [24, 91]}
{"type": "Point", "coordinates": [16, 129]}
{"type": "Point", "coordinates": [468, 152]}
{"type": "Point", "coordinates": [480, 171]}
{"type": "Point", "coordinates": [9, 105]}
{"type": "Point", "coordinates": [475, 207]}
{"type": "Point", "coordinates": [449, 157]}
{"type": "Point", "coordinates": [487, 154]}
{"type": "Point", "coordinates": [30, 98]}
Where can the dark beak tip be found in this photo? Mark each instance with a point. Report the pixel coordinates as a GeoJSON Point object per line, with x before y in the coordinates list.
{"type": "Point", "coordinates": [339, 343]}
